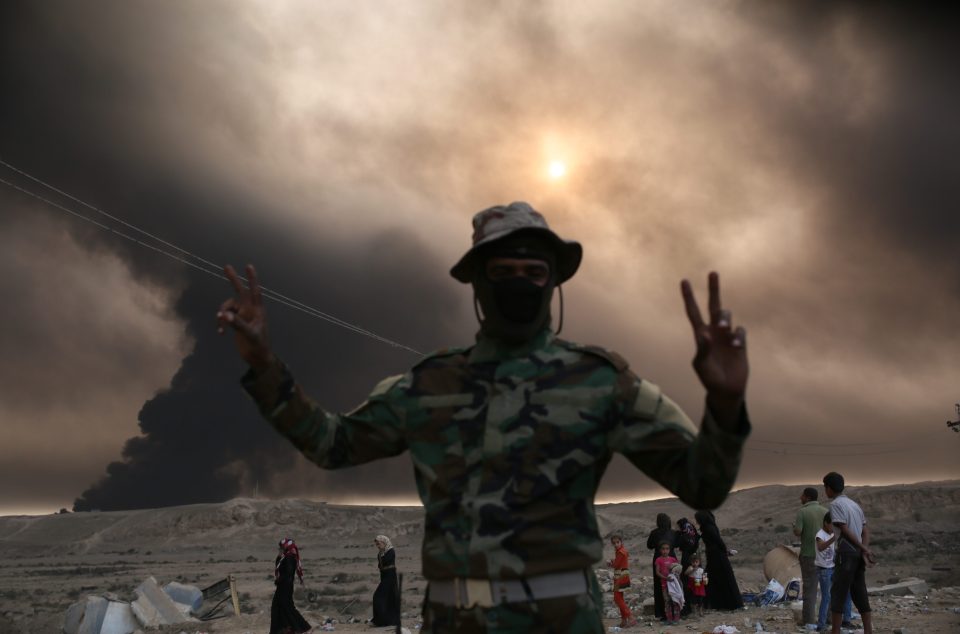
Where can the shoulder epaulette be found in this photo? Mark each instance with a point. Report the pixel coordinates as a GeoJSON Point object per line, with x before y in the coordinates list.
{"type": "Point", "coordinates": [442, 352]}
{"type": "Point", "coordinates": [617, 361]}
{"type": "Point", "coordinates": [385, 385]}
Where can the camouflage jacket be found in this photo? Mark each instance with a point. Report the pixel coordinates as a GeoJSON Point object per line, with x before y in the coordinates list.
{"type": "Point", "coordinates": [508, 448]}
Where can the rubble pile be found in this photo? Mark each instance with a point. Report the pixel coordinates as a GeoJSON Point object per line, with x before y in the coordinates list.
{"type": "Point", "coordinates": [154, 606]}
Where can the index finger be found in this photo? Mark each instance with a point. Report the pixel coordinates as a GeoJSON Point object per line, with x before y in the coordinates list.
{"type": "Point", "coordinates": [234, 279]}
{"type": "Point", "coordinates": [254, 285]}
{"type": "Point", "coordinates": [714, 301]}
{"type": "Point", "coordinates": [690, 303]}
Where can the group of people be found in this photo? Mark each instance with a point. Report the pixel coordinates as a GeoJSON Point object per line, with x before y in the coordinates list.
{"type": "Point", "coordinates": [683, 586]}
{"type": "Point", "coordinates": [834, 553]}
{"type": "Point", "coordinates": [286, 619]}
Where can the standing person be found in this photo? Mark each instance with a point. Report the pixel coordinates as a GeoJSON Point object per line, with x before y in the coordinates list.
{"type": "Point", "coordinates": [284, 616]}
{"type": "Point", "coordinates": [687, 540]}
{"type": "Point", "coordinates": [621, 579]}
{"type": "Point", "coordinates": [663, 567]}
{"type": "Point", "coordinates": [386, 598]}
{"type": "Point", "coordinates": [697, 579]}
{"type": "Point", "coordinates": [662, 534]}
{"type": "Point", "coordinates": [723, 593]}
{"type": "Point", "coordinates": [510, 436]}
{"type": "Point", "coordinates": [826, 551]}
{"type": "Point", "coordinates": [853, 554]}
{"type": "Point", "coordinates": [809, 521]}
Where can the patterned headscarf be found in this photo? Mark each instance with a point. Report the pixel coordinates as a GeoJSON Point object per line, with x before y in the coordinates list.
{"type": "Point", "coordinates": [689, 536]}
{"type": "Point", "coordinates": [289, 549]}
{"type": "Point", "coordinates": [387, 545]}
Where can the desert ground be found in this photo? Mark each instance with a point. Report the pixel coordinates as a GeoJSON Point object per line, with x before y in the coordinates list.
{"type": "Point", "coordinates": [49, 562]}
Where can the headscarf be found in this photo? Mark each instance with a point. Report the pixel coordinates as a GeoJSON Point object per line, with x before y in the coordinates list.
{"type": "Point", "coordinates": [289, 549]}
{"type": "Point", "coordinates": [663, 521]}
{"type": "Point", "coordinates": [705, 518]}
{"type": "Point", "coordinates": [387, 545]}
{"type": "Point", "coordinates": [688, 534]}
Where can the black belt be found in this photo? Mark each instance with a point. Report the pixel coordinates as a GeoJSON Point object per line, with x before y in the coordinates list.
{"type": "Point", "coordinates": [485, 593]}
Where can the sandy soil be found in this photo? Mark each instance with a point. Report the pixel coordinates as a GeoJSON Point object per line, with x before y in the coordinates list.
{"type": "Point", "coordinates": [49, 562]}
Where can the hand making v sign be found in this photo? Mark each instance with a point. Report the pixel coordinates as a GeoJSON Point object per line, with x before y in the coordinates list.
{"type": "Point", "coordinates": [721, 358]}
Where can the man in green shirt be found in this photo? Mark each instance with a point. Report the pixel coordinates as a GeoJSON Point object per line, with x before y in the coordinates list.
{"type": "Point", "coordinates": [510, 437]}
{"type": "Point", "coordinates": [809, 521]}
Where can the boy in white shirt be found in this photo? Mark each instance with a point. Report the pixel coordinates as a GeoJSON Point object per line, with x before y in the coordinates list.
{"type": "Point", "coordinates": [826, 550]}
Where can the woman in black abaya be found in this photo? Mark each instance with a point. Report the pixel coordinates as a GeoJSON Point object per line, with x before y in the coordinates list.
{"type": "Point", "coordinates": [386, 598]}
{"type": "Point", "coordinates": [662, 533]}
{"type": "Point", "coordinates": [723, 593]}
{"type": "Point", "coordinates": [284, 617]}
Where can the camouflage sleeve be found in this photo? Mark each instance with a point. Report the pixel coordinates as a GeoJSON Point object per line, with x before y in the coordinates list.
{"type": "Point", "coordinates": [372, 430]}
{"type": "Point", "coordinates": [659, 439]}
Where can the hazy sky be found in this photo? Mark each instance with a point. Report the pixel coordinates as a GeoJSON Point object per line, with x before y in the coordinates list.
{"type": "Point", "coordinates": [808, 152]}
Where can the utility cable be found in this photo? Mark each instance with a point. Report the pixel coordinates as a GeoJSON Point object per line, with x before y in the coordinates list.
{"type": "Point", "coordinates": [845, 454]}
{"type": "Point", "coordinates": [213, 265]}
{"type": "Point", "coordinates": [836, 444]}
{"type": "Point", "coordinates": [213, 270]}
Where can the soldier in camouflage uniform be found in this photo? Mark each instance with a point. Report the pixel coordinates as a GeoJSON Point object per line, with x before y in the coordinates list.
{"type": "Point", "coordinates": [509, 437]}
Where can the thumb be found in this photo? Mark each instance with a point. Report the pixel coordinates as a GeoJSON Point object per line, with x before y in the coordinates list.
{"type": "Point", "coordinates": [241, 325]}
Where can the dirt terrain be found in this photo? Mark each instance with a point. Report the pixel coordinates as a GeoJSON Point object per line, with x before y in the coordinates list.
{"type": "Point", "coordinates": [48, 562]}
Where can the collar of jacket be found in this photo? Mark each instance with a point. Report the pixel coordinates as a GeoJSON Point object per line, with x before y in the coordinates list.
{"type": "Point", "coordinates": [489, 349]}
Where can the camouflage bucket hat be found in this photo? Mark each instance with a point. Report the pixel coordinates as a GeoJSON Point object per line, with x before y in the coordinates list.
{"type": "Point", "coordinates": [501, 221]}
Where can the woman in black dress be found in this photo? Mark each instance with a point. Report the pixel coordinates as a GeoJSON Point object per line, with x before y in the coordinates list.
{"type": "Point", "coordinates": [386, 598]}
{"type": "Point", "coordinates": [662, 533]}
{"type": "Point", "coordinates": [688, 541]}
{"type": "Point", "coordinates": [284, 617]}
{"type": "Point", "coordinates": [723, 593]}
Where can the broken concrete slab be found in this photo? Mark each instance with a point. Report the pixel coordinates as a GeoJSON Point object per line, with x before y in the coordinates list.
{"type": "Point", "coordinates": [153, 607]}
{"type": "Point", "coordinates": [190, 596]}
{"type": "Point", "coordinates": [119, 619]}
{"type": "Point", "coordinates": [86, 616]}
{"type": "Point", "coordinates": [185, 594]}
{"type": "Point", "coordinates": [910, 585]}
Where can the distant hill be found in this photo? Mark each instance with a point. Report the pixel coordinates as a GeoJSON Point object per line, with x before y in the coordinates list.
{"type": "Point", "coordinates": [927, 508]}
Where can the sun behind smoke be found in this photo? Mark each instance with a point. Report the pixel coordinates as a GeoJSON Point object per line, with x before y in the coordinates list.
{"type": "Point", "coordinates": [557, 170]}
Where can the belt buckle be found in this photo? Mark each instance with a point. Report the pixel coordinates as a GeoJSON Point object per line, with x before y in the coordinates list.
{"type": "Point", "coordinates": [478, 593]}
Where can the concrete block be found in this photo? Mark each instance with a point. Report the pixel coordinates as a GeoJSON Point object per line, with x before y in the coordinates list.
{"type": "Point", "coordinates": [910, 585]}
{"type": "Point", "coordinates": [86, 616]}
{"type": "Point", "coordinates": [153, 607]}
{"type": "Point", "coordinates": [119, 619]}
{"type": "Point", "coordinates": [188, 595]}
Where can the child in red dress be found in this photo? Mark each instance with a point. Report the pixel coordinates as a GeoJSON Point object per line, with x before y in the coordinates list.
{"type": "Point", "coordinates": [697, 584]}
{"type": "Point", "coordinates": [621, 579]}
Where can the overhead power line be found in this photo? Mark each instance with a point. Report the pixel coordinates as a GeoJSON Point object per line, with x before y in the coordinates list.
{"type": "Point", "coordinates": [842, 454]}
{"type": "Point", "coordinates": [184, 256]}
{"type": "Point", "coordinates": [828, 444]}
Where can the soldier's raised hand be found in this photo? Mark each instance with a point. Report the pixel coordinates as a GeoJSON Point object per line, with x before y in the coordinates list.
{"type": "Point", "coordinates": [246, 315]}
{"type": "Point", "coordinates": [721, 358]}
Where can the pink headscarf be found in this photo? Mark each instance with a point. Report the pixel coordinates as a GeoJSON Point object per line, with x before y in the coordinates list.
{"type": "Point", "coordinates": [289, 548]}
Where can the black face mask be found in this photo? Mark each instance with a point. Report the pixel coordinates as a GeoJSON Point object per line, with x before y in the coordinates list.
{"type": "Point", "coordinates": [514, 309]}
